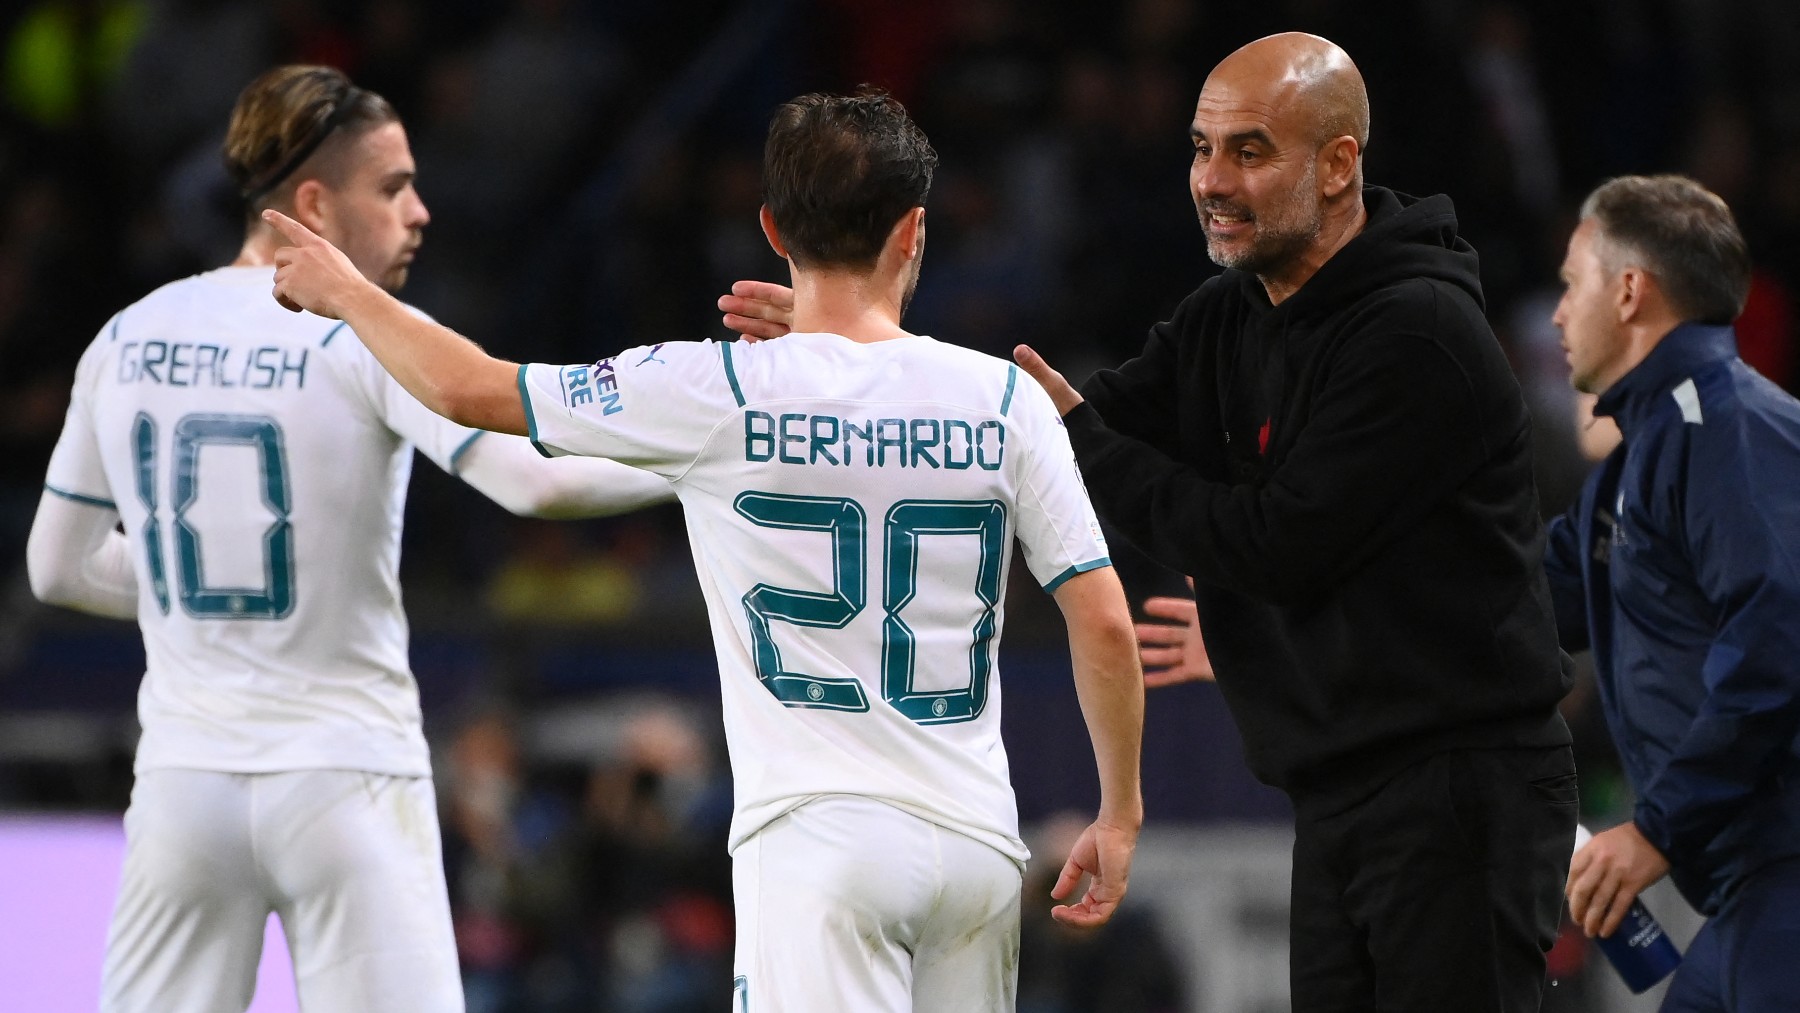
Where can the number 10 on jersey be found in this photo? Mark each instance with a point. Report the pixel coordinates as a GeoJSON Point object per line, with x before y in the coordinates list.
{"type": "Point", "coordinates": [275, 599]}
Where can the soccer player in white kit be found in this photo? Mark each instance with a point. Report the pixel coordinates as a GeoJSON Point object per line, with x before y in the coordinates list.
{"type": "Point", "coordinates": [259, 461]}
{"type": "Point", "coordinates": [852, 492]}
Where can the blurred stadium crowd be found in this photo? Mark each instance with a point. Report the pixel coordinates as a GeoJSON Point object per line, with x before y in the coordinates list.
{"type": "Point", "coordinates": [592, 168]}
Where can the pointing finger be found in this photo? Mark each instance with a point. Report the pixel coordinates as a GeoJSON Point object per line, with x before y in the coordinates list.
{"type": "Point", "coordinates": [295, 232]}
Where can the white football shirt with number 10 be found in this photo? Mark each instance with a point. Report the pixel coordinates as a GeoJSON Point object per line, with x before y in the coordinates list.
{"type": "Point", "coordinates": [852, 509]}
{"type": "Point", "coordinates": [259, 460]}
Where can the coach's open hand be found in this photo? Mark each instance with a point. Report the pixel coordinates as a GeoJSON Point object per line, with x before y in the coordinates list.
{"type": "Point", "coordinates": [1171, 648]}
{"type": "Point", "coordinates": [758, 309]}
{"type": "Point", "coordinates": [1103, 852]}
{"type": "Point", "coordinates": [1064, 396]}
{"type": "Point", "coordinates": [311, 274]}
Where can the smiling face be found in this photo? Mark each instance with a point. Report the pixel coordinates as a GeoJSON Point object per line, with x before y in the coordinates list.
{"type": "Point", "coordinates": [1277, 175]}
{"type": "Point", "coordinates": [1255, 198]}
{"type": "Point", "coordinates": [1255, 183]}
{"type": "Point", "coordinates": [1588, 314]}
{"type": "Point", "coordinates": [371, 210]}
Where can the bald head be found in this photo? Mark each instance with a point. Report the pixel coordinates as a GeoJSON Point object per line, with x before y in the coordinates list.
{"type": "Point", "coordinates": [1277, 176]}
{"type": "Point", "coordinates": [1301, 76]}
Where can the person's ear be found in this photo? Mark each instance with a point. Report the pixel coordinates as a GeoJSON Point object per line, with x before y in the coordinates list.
{"type": "Point", "coordinates": [1337, 165]}
{"type": "Point", "coordinates": [1634, 283]}
{"type": "Point", "coordinates": [771, 233]}
{"type": "Point", "coordinates": [312, 206]}
{"type": "Point", "coordinates": [909, 234]}
{"type": "Point", "coordinates": [907, 238]}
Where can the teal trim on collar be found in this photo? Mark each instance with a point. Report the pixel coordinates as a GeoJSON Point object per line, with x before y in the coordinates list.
{"type": "Point", "coordinates": [1012, 377]}
{"type": "Point", "coordinates": [79, 498]}
{"type": "Point", "coordinates": [731, 372]}
{"type": "Point", "coordinates": [332, 334]}
{"type": "Point", "coordinates": [463, 448]}
{"type": "Point", "coordinates": [1063, 577]}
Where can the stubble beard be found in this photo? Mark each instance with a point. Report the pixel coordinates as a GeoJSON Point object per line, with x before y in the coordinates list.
{"type": "Point", "coordinates": [1293, 226]}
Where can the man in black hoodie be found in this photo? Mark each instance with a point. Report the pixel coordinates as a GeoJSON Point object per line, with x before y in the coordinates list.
{"type": "Point", "coordinates": [1328, 438]}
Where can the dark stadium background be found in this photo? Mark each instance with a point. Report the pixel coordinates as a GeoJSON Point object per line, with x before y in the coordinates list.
{"type": "Point", "coordinates": [592, 172]}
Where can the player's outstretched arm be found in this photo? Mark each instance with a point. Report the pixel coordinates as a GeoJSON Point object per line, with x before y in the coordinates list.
{"type": "Point", "coordinates": [447, 372]}
{"type": "Point", "coordinates": [512, 474]}
{"type": "Point", "coordinates": [75, 559]}
{"type": "Point", "coordinates": [758, 309]}
{"type": "Point", "coordinates": [1110, 684]}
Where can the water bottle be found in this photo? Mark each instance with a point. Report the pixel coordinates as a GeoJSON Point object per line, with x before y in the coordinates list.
{"type": "Point", "coordinates": [1639, 949]}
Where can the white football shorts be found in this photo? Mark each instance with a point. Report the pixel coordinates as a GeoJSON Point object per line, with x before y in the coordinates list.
{"type": "Point", "coordinates": [847, 903]}
{"type": "Point", "coordinates": [351, 862]}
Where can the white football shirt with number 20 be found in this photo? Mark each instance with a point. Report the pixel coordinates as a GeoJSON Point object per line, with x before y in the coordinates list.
{"type": "Point", "coordinates": [851, 508]}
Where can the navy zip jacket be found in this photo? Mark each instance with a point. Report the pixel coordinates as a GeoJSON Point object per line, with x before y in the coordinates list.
{"type": "Point", "coordinates": [1347, 476]}
{"type": "Point", "coordinates": [1680, 567]}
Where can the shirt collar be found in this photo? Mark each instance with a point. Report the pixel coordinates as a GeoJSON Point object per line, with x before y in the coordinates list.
{"type": "Point", "coordinates": [1681, 353]}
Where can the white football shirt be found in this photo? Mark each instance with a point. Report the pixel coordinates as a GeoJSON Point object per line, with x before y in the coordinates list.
{"type": "Point", "coordinates": [852, 509]}
{"type": "Point", "coordinates": [259, 460]}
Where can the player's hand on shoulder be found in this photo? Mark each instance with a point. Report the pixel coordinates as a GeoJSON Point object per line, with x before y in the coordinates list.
{"type": "Point", "coordinates": [310, 273]}
{"type": "Point", "coordinates": [1170, 645]}
{"type": "Point", "coordinates": [1102, 854]}
{"type": "Point", "coordinates": [758, 309]}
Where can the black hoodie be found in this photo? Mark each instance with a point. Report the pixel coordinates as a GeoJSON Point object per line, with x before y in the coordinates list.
{"type": "Point", "coordinates": [1347, 477]}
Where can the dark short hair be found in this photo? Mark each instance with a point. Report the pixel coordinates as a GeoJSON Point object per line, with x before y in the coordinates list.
{"type": "Point", "coordinates": [284, 117]}
{"type": "Point", "coordinates": [839, 171]}
{"type": "Point", "coordinates": [1684, 235]}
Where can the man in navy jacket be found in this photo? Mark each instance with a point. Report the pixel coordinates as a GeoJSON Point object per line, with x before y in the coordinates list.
{"type": "Point", "coordinates": [1680, 568]}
